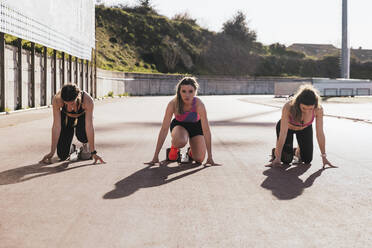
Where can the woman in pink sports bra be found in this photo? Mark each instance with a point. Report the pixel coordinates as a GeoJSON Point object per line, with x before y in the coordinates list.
{"type": "Point", "coordinates": [190, 124]}
{"type": "Point", "coordinates": [297, 118]}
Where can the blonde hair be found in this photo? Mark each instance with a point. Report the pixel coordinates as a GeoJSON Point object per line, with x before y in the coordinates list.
{"type": "Point", "coordinates": [306, 95]}
{"type": "Point", "coordinates": [184, 81]}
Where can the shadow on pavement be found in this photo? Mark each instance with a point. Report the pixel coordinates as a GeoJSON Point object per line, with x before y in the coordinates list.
{"type": "Point", "coordinates": [20, 174]}
{"type": "Point", "coordinates": [242, 124]}
{"type": "Point", "coordinates": [235, 121]}
{"type": "Point", "coordinates": [136, 125]}
{"type": "Point", "coordinates": [150, 176]}
{"type": "Point", "coordinates": [285, 183]}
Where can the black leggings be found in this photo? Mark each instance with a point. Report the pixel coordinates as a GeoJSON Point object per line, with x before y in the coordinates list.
{"type": "Point", "coordinates": [67, 133]}
{"type": "Point", "coordinates": [192, 128]}
{"type": "Point", "coordinates": [305, 142]}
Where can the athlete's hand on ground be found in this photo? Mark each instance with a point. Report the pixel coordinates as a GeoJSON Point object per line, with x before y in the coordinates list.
{"type": "Point", "coordinates": [153, 161]}
{"type": "Point", "coordinates": [274, 163]}
{"type": "Point", "coordinates": [97, 158]}
{"type": "Point", "coordinates": [210, 162]}
{"type": "Point", "coordinates": [326, 162]}
{"type": "Point", "coordinates": [47, 159]}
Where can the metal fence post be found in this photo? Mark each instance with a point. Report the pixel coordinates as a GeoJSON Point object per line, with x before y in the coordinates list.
{"type": "Point", "coordinates": [70, 68]}
{"type": "Point", "coordinates": [82, 74]}
{"type": "Point", "coordinates": [43, 87]}
{"type": "Point", "coordinates": [32, 88]}
{"type": "Point", "coordinates": [2, 72]}
{"type": "Point", "coordinates": [76, 72]}
{"type": "Point", "coordinates": [19, 70]}
{"type": "Point", "coordinates": [63, 68]}
{"type": "Point", "coordinates": [87, 76]}
{"type": "Point", "coordinates": [91, 76]}
{"type": "Point", "coordinates": [95, 73]}
{"type": "Point", "coordinates": [54, 72]}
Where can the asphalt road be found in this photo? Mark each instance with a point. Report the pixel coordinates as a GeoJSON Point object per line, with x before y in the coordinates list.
{"type": "Point", "coordinates": [125, 203]}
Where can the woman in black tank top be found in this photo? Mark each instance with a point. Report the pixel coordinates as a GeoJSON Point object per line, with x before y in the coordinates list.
{"type": "Point", "coordinates": [72, 113]}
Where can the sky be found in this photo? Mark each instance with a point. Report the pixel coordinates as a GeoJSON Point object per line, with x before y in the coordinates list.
{"type": "Point", "coordinates": [283, 21]}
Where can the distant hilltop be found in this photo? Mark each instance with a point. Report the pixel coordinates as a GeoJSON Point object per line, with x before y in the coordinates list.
{"type": "Point", "coordinates": [319, 51]}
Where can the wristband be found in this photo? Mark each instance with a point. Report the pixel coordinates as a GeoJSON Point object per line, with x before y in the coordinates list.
{"type": "Point", "coordinates": [323, 155]}
{"type": "Point", "coordinates": [93, 153]}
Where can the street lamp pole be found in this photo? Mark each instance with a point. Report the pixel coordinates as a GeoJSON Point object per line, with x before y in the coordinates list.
{"type": "Point", "coordinates": [345, 52]}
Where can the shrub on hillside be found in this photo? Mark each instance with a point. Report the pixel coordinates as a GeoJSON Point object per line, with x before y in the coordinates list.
{"type": "Point", "coordinates": [238, 29]}
{"type": "Point", "coordinates": [184, 17]}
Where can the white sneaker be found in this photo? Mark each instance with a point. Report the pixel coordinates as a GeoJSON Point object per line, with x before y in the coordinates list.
{"type": "Point", "coordinates": [73, 153]}
{"type": "Point", "coordinates": [296, 160]}
{"type": "Point", "coordinates": [185, 159]}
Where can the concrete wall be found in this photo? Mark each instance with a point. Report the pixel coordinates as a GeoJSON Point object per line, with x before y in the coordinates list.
{"type": "Point", "coordinates": [328, 87]}
{"type": "Point", "coordinates": [162, 84]}
{"type": "Point", "coordinates": [343, 87]}
{"type": "Point", "coordinates": [288, 88]}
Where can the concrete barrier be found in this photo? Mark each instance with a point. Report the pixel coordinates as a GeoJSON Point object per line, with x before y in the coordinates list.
{"type": "Point", "coordinates": [328, 87]}
{"type": "Point", "coordinates": [161, 84]}
{"type": "Point", "coordinates": [342, 87]}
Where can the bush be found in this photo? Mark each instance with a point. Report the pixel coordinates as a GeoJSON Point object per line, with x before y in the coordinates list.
{"type": "Point", "coordinates": [238, 28]}
{"type": "Point", "coordinates": [113, 40]}
{"type": "Point", "coordinates": [184, 17]}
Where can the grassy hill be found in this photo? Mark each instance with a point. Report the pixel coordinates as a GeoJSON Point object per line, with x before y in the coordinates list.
{"type": "Point", "coordinates": [320, 51]}
{"type": "Point", "coordinates": [316, 51]}
{"type": "Point", "coordinates": [143, 41]}
{"type": "Point", "coordinates": [137, 39]}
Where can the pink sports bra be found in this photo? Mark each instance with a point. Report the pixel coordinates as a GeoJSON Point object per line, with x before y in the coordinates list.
{"type": "Point", "coordinates": [189, 116]}
{"type": "Point", "coordinates": [294, 123]}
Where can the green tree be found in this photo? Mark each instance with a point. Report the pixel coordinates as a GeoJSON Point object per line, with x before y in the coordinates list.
{"type": "Point", "coordinates": [280, 50]}
{"type": "Point", "coordinates": [145, 7]}
{"type": "Point", "coordinates": [277, 49]}
{"type": "Point", "coordinates": [226, 56]}
{"type": "Point", "coordinates": [145, 4]}
{"type": "Point", "coordinates": [330, 67]}
{"type": "Point", "coordinates": [238, 29]}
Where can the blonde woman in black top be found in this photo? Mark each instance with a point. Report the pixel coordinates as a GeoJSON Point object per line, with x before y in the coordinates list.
{"type": "Point", "coordinates": [297, 118]}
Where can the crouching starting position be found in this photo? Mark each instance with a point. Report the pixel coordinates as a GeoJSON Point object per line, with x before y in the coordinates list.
{"type": "Point", "coordinates": [297, 118]}
{"type": "Point", "coordinates": [72, 112]}
{"type": "Point", "coordinates": [189, 125]}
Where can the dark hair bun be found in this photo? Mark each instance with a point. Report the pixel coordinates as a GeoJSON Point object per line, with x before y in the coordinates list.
{"type": "Point", "coordinates": [69, 92]}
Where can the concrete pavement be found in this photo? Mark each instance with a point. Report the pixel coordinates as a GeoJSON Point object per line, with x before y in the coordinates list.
{"type": "Point", "coordinates": [125, 203]}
